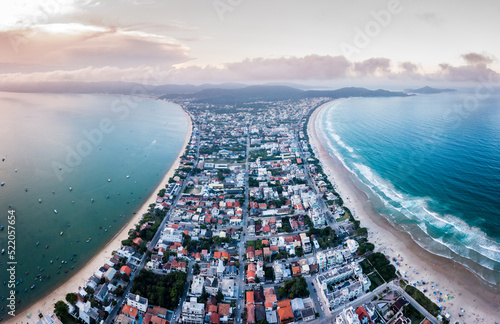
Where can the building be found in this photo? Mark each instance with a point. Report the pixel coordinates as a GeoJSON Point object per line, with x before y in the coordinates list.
{"type": "Point", "coordinates": [352, 245]}
{"type": "Point", "coordinates": [138, 302]}
{"type": "Point", "coordinates": [197, 285]}
{"type": "Point", "coordinates": [192, 312]}
{"type": "Point", "coordinates": [306, 242]}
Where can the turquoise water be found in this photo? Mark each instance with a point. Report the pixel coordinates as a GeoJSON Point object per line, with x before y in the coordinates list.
{"type": "Point", "coordinates": [80, 141]}
{"type": "Point", "coordinates": [431, 165]}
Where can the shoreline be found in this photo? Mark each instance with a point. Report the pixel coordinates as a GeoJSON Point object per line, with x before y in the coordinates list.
{"type": "Point", "coordinates": [45, 305]}
{"type": "Point", "coordinates": [469, 292]}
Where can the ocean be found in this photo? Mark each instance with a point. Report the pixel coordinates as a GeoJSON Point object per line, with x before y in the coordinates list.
{"type": "Point", "coordinates": [430, 164]}
{"type": "Point", "coordinates": [111, 149]}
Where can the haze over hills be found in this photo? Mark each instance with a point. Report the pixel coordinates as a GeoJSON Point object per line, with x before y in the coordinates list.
{"type": "Point", "coordinates": [276, 93]}
{"type": "Point", "coordinates": [117, 87]}
{"type": "Point", "coordinates": [428, 90]}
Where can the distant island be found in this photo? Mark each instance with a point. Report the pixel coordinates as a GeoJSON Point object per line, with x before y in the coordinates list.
{"type": "Point", "coordinates": [428, 90]}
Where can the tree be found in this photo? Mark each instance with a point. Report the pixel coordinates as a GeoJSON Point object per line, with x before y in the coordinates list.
{"type": "Point", "coordinates": [219, 297]}
{"type": "Point", "coordinates": [61, 308]}
{"type": "Point", "coordinates": [71, 298]}
{"type": "Point", "coordinates": [196, 269]}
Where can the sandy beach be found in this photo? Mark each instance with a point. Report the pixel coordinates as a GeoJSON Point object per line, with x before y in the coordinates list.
{"type": "Point", "coordinates": [74, 283]}
{"type": "Point", "coordinates": [472, 297]}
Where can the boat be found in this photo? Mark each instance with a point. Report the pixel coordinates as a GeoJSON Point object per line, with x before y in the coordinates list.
{"type": "Point", "coordinates": [61, 233]}
{"type": "Point", "coordinates": [70, 188]}
{"type": "Point", "coordinates": [37, 243]}
{"type": "Point", "coordinates": [47, 246]}
{"type": "Point", "coordinates": [33, 286]}
{"type": "Point", "coordinates": [55, 211]}
{"type": "Point", "coordinates": [15, 170]}
{"type": "Point", "coordinates": [91, 200]}
{"type": "Point", "coordinates": [107, 196]}
{"type": "Point", "coordinates": [1, 227]}
{"type": "Point", "coordinates": [109, 180]}
{"type": "Point", "coordinates": [3, 251]}
{"type": "Point", "coordinates": [128, 176]}
{"type": "Point", "coordinates": [2, 184]}
{"type": "Point", "coordinates": [40, 200]}
{"type": "Point", "coordinates": [26, 189]}
{"type": "Point", "coordinates": [88, 241]}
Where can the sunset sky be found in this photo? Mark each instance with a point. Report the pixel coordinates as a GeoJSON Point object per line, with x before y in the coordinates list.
{"type": "Point", "coordinates": [324, 42]}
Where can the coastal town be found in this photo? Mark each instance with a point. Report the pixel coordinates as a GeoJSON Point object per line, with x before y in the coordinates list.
{"type": "Point", "coordinates": [249, 229]}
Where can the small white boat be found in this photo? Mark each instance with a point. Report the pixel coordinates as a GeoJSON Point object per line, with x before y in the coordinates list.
{"type": "Point", "coordinates": [2, 184]}
{"type": "Point", "coordinates": [128, 176]}
{"type": "Point", "coordinates": [109, 180]}
{"type": "Point", "coordinates": [15, 170]}
{"type": "Point", "coordinates": [70, 188]}
{"type": "Point", "coordinates": [61, 233]}
{"type": "Point", "coordinates": [55, 211]}
{"type": "Point", "coordinates": [3, 251]}
{"type": "Point", "coordinates": [40, 200]}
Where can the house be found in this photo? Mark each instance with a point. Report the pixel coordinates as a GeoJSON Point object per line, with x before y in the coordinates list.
{"type": "Point", "coordinates": [227, 288]}
{"type": "Point", "coordinates": [271, 317]}
{"type": "Point", "coordinates": [101, 293]}
{"type": "Point", "coordinates": [251, 313]}
{"type": "Point", "coordinates": [352, 245]}
{"type": "Point", "coordinates": [285, 314]}
{"type": "Point", "coordinates": [86, 312]}
{"type": "Point", "coordinates": [214, 318]}
{"type": "Point", "coordinates": [224, 309]}
{"type": "Point", "coordinates": [212, 285]}
{"type": "Point", "coordinates": [125, 270]}
{"type": "Point", "coordinates": [130, 311]}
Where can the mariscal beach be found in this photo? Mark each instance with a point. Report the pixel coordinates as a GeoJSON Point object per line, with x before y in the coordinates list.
{"type": "Point", "coordinates": [471, 297]}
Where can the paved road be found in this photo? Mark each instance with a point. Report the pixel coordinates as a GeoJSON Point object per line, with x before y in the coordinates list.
{"type": "Point", "coordinates": [240, 302]}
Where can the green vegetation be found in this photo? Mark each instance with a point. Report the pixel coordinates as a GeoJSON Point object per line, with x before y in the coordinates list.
{"type": "Point", "coordinates": [413, 314]}
{"type": "Point", "coordinates": [164, 291]}
{"type": "Point", "coordinates": [71, 298]}
{"type": "Point", "coordinates": [326, 237]}
{"type": "Point", "coordinates": [365, 247]}
{"type": "Point", "coordinates": [297, 287]}
{"type": "Point", "coordinates": [422, 300]}
{"type": "Point", "coordinates": [61, 309]}
{"type": "Point", "coordinates": [384, 270]}
{"type": "Point", "coordinates": [375, 280]}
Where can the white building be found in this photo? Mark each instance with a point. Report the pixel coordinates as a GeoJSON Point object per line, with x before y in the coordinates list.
{"type": "Point", "coordinates": [197, 285]}
{"type": "Point", "coordinates": [192, 312]}
{"type": "Point", "coordinates": [352, 245]}
{"type": "Point", "coordinates": [138, 302]}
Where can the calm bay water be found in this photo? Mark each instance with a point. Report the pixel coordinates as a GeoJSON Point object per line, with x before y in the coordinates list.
{"type": "Point", "coordinates": [80, 141]}
{"type": "Point", "coordinates": [430, 171]}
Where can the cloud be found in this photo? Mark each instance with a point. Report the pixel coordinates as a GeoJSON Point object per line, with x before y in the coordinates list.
{"type": "Point", "coordinates": [466, 73]}
{"type": "Point", "coordinates": [284, 68]}
{"type": "Point", "coordinates": [408, 67]}
{"type": "Point", "coordinates": [373, 66]}
{"type": "Point", "coordinates": [306, 68]}
{"type": "Point", "coordinates": [143, 74]}
{"type": "Point", "coordinates": [75, 46]}
{"type": "Point", "coordinates": [476, 58]}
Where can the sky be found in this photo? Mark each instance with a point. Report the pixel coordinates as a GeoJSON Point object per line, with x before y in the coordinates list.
{"type": "Point", "coordinates": [322, 42]}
